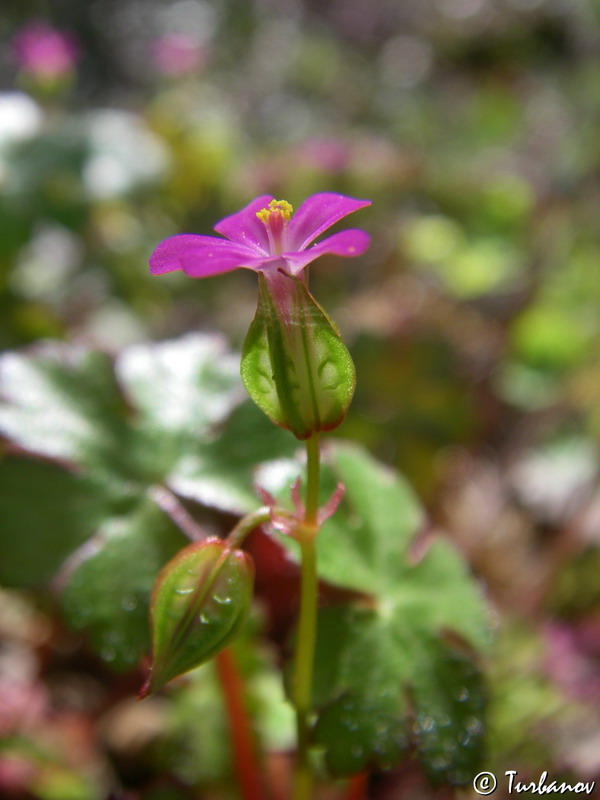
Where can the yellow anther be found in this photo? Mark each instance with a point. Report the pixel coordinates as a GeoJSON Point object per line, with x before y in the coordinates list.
{"type": "Point", "coordinates": [281, 207]}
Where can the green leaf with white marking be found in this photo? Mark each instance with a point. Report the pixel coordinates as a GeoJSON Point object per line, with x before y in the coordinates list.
{"type": "Point", "coordinates": [62, 401]}
{"type": "Point", "coordinates": [107, 584]}
{"type": "Point", "coordinates": [45, 513]}
{"type": "Point", "coordinates": [157, 415]}
{"type": "Point", "coordinates": [172, 414]}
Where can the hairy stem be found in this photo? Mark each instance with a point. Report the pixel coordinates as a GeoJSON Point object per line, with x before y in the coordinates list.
{"type": "Point", "coordinates": [307, 625]}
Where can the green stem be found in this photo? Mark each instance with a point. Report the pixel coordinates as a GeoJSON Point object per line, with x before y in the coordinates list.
{"type": "Point", "coordinates": [313, 469]}
{"type": "Point", "coordinates": [246, 525]}
{"type": "Point", "coordinates": [307, 625]}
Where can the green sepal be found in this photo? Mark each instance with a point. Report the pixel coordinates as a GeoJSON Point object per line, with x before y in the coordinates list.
{"type": "Point", "coordinates": [199, 605]}
{"type": "Point", "coordinates": [295, 366]}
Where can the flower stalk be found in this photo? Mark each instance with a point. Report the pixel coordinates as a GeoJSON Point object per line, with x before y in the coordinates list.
{"type": "Point", "coordinates": [307, 625]}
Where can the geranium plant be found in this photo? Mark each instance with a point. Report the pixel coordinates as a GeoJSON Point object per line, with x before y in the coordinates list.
{"type": "Point", "coordinates": [298, 371]}
{"type": "Point", "coordinates": [380, 664]}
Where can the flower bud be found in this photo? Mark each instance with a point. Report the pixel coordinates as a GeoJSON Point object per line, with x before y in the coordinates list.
{"type": "Point", "coordinates": [294, 364]}
{"type": "Point", "coordinates": [199, 603]}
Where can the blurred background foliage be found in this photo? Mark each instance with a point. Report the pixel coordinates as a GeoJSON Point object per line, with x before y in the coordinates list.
{"type": "Point", "coordinates": [473, 320]}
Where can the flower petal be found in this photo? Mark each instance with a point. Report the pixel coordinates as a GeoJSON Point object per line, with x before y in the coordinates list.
{"type": "Point", "coordinates": [245, 227]}
{"type": "Point", "coordinates": [317, 214]}
{"type": "Point", "coordinates": [350, 243]}
{"type": "Point", "coordinates": [201, 256]}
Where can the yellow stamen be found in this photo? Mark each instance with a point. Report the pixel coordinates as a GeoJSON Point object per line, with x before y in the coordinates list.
{"type": "Point", "coordinates": [280, 207]}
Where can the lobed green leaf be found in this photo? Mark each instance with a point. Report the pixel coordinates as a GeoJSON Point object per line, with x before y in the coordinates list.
{"type": "Point", "coordinates": [397, 670]}
{"type": "Point", "coordinates": [107, 585]}
{"type": "Point", "coordinates": [45, 513]}
{"type": "Point", "coordinates": [383, 685]}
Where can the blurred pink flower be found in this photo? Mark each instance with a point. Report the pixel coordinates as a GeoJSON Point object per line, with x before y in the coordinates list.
{"type": "Point", "coordinates": [329, 155]}
{"type": "Point", "coordinates": [45, 53]}
{"type": "Point", "coordinates": [177, 54]}
{"type": "Point", "coordinates": [17, 772]}
{"type": "Point", "coordinates": [24, 704]}
{"type": "Point", "coordinates": [573, 657]}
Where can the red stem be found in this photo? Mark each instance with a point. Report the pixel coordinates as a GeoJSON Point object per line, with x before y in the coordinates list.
{"type": "Point", "coordinates": [241, 735]}
{"type": "Point", "coordinates": [357, 787]}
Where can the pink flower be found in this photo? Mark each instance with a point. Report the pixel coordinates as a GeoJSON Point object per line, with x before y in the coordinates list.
{"type": "Point", "coordinates": [265, 236]}
{"type": "Point", "coordinates": [45, 53]}
{"type": "Point", "coordinates": [177, 54]}
{"type": "Point", "coordinates": [294, 364]}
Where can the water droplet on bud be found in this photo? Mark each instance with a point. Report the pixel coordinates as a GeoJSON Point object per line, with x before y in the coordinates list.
{"type": "Point", "coordinates": [129, 602]}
